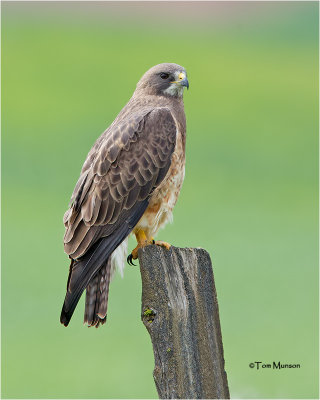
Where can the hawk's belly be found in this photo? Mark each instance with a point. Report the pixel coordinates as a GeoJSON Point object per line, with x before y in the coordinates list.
{"type": "Point", "coordinates": [164, 198]}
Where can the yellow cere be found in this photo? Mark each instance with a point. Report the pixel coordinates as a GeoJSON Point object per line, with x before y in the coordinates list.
{"type": "Point", "coordinates": [182, 76]}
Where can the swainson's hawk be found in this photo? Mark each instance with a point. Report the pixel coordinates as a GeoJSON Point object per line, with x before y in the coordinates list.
{"type": "Point", "coordinates": [129, 182]}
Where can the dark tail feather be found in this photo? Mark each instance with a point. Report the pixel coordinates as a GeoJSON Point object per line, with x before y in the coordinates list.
{"type": "Point", "coordinates": [97, 297]}
{"type": "Point", "coordinates": [81, 273]}
{"type": "Point", "coordinates": [85, 268]}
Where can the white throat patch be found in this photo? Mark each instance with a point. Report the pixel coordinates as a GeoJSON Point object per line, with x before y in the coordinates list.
{"type": "Point", "coordinates": [175, 89]}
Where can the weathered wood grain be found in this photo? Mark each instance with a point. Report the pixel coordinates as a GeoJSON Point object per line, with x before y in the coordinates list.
{"type": "Point", "coordinates": [180, 312]}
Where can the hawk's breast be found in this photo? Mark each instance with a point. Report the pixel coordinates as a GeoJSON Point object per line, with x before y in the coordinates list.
{"type": "Point", "coordinates": [165, 196]}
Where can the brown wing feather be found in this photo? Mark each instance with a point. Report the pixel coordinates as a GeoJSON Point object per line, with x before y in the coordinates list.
{"type": "Point", "coordinates": [125, 166]}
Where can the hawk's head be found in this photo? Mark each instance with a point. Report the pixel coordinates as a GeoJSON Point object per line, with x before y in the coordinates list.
{"type": "Point", "coordinates": [164, 79]}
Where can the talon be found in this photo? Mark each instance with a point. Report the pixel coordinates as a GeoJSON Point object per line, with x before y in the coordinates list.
{"type": "Point", "coordinates": [129, 260]}
{"type": "Point", "coordinates": [142, 242]}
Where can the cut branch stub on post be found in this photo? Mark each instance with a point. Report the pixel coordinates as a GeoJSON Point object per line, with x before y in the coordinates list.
{"type": "Point", "coordinates": [180, 312]}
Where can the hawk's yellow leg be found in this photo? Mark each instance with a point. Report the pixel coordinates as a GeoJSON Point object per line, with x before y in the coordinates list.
{"type": "Point", "coordinates": [143, 241]}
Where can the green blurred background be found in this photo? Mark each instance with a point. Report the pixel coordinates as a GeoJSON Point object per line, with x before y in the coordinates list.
{"type": "Point", "coordinates": [249, 197]}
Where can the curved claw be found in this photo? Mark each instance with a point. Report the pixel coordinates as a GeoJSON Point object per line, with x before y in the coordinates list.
{"type": "Point", "coordinates": [129, 260]}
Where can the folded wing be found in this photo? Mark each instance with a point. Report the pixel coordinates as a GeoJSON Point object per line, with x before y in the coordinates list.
{"type": "Point", "coordinates": [121, 171]}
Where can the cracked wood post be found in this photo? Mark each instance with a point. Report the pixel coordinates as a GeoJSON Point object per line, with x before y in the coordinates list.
{"type": "Point", "coordinates": [180, 312]}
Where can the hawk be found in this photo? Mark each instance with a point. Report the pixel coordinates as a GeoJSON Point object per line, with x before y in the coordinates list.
{"type": "Point", "coordinates": [129, 183]}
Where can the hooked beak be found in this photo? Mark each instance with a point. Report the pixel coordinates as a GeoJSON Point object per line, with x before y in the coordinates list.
{"type": "Point", "coordinates": [182, 80]}
{"type": "Point", "coordinates": [185, 82]}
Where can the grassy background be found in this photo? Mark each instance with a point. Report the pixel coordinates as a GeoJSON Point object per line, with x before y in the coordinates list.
{"type": "Point", "coordinates": [249, 198]}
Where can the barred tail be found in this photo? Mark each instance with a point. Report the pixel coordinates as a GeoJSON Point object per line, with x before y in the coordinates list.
{"type": "Point", "coordinates": [97, 297]}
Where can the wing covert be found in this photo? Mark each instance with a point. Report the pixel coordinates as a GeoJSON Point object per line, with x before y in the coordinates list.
{"type": "Point", "coordinates": [122, 169]}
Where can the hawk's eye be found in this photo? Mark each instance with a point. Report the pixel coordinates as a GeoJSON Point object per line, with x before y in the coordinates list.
{"type": "Point", "coordinates": [163, 75]}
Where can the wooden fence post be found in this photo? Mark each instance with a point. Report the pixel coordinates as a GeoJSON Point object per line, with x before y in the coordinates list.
{"type": "Point", "coordinates": [180, 312]}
